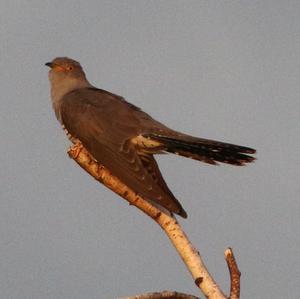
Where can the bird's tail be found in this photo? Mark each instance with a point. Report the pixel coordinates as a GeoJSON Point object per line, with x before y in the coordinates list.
{"type": "Point", "coordinates": [208, 151]}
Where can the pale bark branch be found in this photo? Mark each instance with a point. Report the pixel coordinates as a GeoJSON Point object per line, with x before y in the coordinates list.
{"type": "Point", "coordinates": [169, 224]}
{"type": "Point", "coordinates": [162, 295]}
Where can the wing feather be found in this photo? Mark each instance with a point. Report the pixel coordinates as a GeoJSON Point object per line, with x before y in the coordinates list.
{"type": "Point", "coordinates": [105, 125]}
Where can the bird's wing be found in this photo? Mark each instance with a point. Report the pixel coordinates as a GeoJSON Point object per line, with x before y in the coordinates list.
{"type": "Point", "coordinates": [106, 124]}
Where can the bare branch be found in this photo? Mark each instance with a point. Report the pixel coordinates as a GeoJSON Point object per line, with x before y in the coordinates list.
{"type": "Point", "coordinates": [162, 295]}
{"type": "Point", "coordinates": [169, 224]}
{"type": "Point", "coordinates": [235, 274]}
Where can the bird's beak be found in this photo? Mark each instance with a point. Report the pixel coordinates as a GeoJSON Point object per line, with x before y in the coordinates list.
{"type": "Point", "coordinates": [50, 64]}
{"type": "Point", "coordinates": [55, 67]}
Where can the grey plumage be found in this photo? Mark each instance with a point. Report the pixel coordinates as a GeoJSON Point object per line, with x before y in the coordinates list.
{"type": "Point", "coordinates": [124, 138]}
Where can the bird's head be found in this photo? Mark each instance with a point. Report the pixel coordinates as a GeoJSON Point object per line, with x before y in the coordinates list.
{"type": "Point", "coordinates": [65, 75]}
{"type": "Point", "coordinates": [65, 68]}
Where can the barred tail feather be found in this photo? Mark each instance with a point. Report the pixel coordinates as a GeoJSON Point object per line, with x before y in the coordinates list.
{"type": "Point", "coordinates": [208, 151]}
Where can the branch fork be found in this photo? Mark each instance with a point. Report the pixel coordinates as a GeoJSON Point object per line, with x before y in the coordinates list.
{"type": "Point", "coordinates": [189, 255]}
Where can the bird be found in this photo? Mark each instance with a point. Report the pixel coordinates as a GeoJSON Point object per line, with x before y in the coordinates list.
{"type": "Point", "coordinates": [125, 139]}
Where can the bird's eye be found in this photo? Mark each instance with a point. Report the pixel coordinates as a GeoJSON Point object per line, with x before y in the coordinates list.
{"type": "Point", "coordinates": [69, 68]}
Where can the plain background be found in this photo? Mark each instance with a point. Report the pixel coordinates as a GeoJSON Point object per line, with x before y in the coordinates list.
{"type": "Point", "coordinates": [225, 70]}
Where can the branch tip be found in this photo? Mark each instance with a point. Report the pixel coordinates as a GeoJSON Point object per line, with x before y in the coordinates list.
{"type": "Point", "coordinates": [234, 272]}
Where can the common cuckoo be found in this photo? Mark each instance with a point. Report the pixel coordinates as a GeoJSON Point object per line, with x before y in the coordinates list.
{"type": "Point", "coordinates": [125, 139]}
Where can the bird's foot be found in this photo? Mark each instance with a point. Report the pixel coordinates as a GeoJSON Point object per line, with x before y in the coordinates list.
{"type": "Point", "coordinates": [75, 150]}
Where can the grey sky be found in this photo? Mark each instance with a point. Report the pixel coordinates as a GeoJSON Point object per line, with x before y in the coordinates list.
{"type": "Point", "coordinates": [226, 70]}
